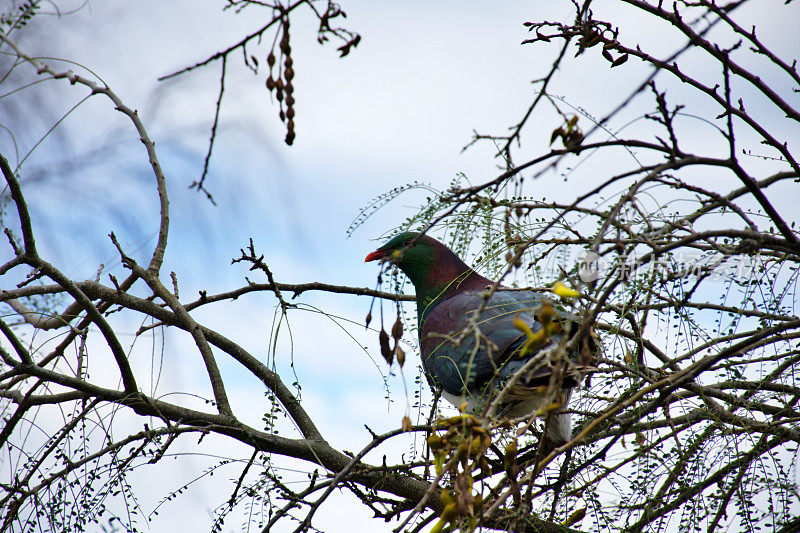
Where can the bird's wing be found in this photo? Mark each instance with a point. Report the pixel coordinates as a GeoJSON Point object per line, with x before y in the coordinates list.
{"type": "Point", "coordinates": [462, 353]}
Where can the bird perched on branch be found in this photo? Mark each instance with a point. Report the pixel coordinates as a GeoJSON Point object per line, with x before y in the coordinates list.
{"type": "Point", "coordinates": [501, 352]}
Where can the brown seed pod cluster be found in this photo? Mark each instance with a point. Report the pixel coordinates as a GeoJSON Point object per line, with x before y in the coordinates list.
{"type": "Point", "coordinates": [279, 80]}
{"type": "Point", "coordinates": [459, 446]}
{"type": "Point", "coordinates": [390, 353]}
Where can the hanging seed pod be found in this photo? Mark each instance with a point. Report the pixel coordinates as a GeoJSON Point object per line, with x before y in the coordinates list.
{"type": "Point", "coordinates": [510, 457]}
{"type": "Point", "coordinates": [397, 329]}
{"type": "Point", "coordinates": [383, 340]}
{"type": "Point", "coordinates": [400, 355]}
{"type": "Point", "coordinates": [270, 59]}
{"type": "Point", "coordinates": [289, 111]}
{"type": "Point", "coordinates": [620, 60]}
{"type": "Point", "coordinates": [270, 84]}
{"type": "Point", "coordinates": [368, 319]}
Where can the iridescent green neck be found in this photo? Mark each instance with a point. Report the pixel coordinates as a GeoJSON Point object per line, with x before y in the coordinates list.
{"type": "Point", "coordinates": [437, 274]}
{"type": "Point", "coordinates": [437, 290]}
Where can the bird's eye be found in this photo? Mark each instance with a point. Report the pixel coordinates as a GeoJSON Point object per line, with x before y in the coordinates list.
{"type": "Point", "coordinates": [407, 242]}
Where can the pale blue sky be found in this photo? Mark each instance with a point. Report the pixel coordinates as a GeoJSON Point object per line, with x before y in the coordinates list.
{"type": "Point", "coordinates": [398, 109]}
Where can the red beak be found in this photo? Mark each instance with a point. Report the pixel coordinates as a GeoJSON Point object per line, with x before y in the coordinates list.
{"type": "Point", "coordinates": [377, 254]}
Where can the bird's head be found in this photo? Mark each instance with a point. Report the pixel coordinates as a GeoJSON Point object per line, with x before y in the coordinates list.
{"type": "Point", "coordinates": [436, 272]}
{"type": "Point", "coordinates": [413, 253]}
{"type": "Point", "coordinates": [430, 265]}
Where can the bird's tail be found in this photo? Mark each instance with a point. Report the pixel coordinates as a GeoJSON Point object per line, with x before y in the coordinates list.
{"type": "Point", "coordinates": [559, 427]}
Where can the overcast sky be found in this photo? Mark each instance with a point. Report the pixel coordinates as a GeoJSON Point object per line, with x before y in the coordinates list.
{"type": "Point", "coordinates": [399, 108]}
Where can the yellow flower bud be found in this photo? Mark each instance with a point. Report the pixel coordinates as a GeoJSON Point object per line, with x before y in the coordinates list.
{"type": "Point", "coordinates": [565, 292]}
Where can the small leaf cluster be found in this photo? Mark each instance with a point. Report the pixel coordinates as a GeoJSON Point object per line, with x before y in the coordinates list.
{"type": "Point", "coordinates": [570, 134]}
{"type": "Point", "coordinates": [19, 17]}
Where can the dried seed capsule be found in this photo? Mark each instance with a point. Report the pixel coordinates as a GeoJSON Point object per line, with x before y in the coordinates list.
{"type": "Point", "coordinates": [400, 355]}
{"type": "Point", "coordinates": [397, 328]}
{"type": "Point", "coordinates": [383, 337]}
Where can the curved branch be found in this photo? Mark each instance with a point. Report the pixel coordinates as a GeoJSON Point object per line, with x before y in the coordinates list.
{"type": "Point", "coordinates": [161, 184]}
{"type": "Point", "coordinates": [22, 207]}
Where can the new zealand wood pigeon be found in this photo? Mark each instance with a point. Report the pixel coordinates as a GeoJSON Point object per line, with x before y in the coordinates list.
{"type": "Point", "coordinates": [472, 357]}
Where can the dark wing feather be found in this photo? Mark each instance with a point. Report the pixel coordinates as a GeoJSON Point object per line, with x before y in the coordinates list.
{"type": "Point", "coordinates": [460, 361]}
